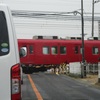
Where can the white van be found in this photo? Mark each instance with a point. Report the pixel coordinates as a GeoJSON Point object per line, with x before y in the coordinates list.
{"type": "Point", "coordinates": [10, 80]}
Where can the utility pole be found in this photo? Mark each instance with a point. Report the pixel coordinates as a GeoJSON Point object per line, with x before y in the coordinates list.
{"type": "Point", "coordinates": [93, 18]}
{"type": "Point", "coordinates": [83, 67]}
{"type": "Point", "coordinates": [93, 2]}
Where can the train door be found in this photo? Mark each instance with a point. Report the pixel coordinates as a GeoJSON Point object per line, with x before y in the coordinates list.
{"type": "Point", "coordinates": [77, 53]}
{"type": "Point", "coordinates": [54, 54]}
{"type": "Point", "coordinates": [63, 54]}
{"type": "Point", "coordinates": [31, 55]}
{"type": "Point", "coordinates": [95, 54]}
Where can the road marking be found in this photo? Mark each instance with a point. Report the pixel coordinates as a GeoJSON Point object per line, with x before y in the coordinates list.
{"type": "Point", "coordinates": [38, 95]}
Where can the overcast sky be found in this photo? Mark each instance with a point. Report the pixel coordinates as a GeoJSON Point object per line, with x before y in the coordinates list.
{"type": "Point", "coordinates": [51, 5]}
{"type": "Point", "coordinates": [30, 27]}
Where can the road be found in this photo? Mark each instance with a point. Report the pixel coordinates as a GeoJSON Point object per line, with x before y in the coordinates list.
{"type": "Point", "coordinates": [46, 86]}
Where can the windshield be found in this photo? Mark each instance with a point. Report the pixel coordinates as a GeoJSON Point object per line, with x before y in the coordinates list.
{"type": "Point", "coordinates": [4, 39]}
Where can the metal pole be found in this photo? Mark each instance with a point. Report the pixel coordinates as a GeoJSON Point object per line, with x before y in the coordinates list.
{"type": "Point", "coordinates": [93, 18]}
{"type": "Point", "coordinates": [82, 19]}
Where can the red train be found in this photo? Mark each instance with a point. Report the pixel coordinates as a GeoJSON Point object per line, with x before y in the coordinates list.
{"type": "Point", "coordinates": [42, 53]}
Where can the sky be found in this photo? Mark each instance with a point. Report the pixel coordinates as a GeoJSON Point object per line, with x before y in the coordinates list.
{"type": "Point", "coordinates": [26, 27]}
{"type": "Point", "coordinates": [51, 5]}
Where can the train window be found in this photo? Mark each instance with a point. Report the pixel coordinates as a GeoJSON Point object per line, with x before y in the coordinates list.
{"type": "Point", "coordinates": [62, 50]}
{"type": "Point", "coordinates": [54, 50]}
{"type": "Point", "coordinates": [23, 51]}
{"type": "Point", "coordinates": [76, 50]}
{"type": "Point", "coordinates": [46, 50]}
{"type": "Point", "coordinates": [30, 49]}
{"type": "Point", "coordinates": [80, 50]}
{"type": "Point", "coordinates": [95, 50]}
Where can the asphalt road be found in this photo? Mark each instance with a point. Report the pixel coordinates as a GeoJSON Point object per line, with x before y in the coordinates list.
{"type": "Point", "coordinates": [56, 87]}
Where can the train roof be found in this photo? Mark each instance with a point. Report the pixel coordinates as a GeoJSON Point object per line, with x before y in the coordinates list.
{"type": "Point", "coordinates": [46, 40]}
{"type": "Point", "coordinates": [56, 40]}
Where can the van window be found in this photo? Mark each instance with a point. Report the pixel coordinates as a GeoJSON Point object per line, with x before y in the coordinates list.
{"type": "Point", "coordinates": [4, 39]}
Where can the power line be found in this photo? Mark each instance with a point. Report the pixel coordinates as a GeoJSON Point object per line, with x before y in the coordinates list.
{"type": "Point", "coordinates": [52, 15]}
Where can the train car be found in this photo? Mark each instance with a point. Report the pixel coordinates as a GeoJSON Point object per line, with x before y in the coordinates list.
{"type": "Point", "coordinates": [53, 52]}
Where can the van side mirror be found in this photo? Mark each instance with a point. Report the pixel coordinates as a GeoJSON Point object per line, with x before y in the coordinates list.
{"type": "Point", "coordinates": [23, 52]}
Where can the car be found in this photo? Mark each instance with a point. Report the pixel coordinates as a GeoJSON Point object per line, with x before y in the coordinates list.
{"type": "Point", "coordinates": [10, 72]}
